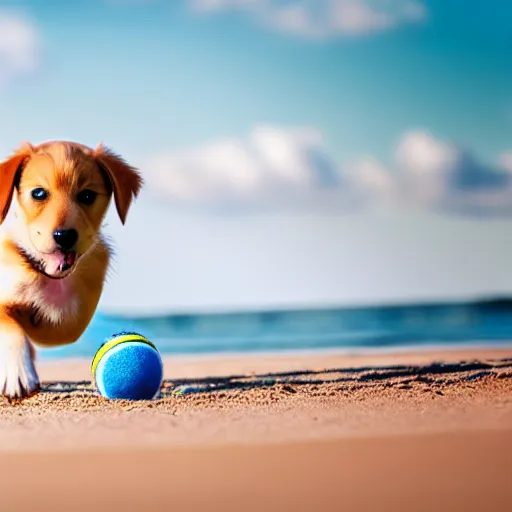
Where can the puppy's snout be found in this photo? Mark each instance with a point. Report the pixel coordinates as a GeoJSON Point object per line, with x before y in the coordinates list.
{"type": "Point", "coordinates": [65, 238]}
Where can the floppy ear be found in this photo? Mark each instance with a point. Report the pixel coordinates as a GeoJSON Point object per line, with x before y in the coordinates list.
{"type": "Point", "coordinates": [9, 172]}
{"type": "Point", "coordinates": [125, 180]}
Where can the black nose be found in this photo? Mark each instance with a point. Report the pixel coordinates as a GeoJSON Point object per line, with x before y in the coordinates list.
{"type": "Point", "coordinates": [65, 238]}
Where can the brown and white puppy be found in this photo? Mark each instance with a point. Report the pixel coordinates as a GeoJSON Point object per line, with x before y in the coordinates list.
{"type": "Point", "coordinates": [53, 258]}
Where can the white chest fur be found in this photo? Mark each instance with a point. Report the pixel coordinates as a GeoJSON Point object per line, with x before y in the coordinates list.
{"type": "Point", "coordinates": [52, 299]}
{"type": "Point", "coordinates": [55, 299]}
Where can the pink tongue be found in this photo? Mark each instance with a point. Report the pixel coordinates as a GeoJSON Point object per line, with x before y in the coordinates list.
{"type": "Point", "coordinates": [58, 262]}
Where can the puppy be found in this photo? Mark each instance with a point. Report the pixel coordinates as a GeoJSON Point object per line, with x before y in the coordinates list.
{"type": "Point", "coordinates": [53, 257]}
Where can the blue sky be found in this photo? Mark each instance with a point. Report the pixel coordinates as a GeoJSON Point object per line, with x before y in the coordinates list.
{"type": "Point", "coordinates": [198, 76]}
{"type": "Point", "coordinates": [278, 123]}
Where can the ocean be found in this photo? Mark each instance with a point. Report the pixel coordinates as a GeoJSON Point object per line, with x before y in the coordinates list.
{"type": "Point", "coordinates": [478, 323]}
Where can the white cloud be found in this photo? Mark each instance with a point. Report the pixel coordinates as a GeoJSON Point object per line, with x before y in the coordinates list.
{"type": "Point", "coordinates": [440, 175]}
{"type": "Point", "coordinates": [278, 169]}
{"type": "Point", "coordinates": [506, 161]}
{"type": "Point", "coordinates": [324, 18]}
{"type": "Point", "coordinates": [297, 257]}
{"type": "Point", "coordinates": [19, 46]}
{"type": "Point", "coordinates": [373, 182]}
{"type": "Point", "coordinates": [273, 168]}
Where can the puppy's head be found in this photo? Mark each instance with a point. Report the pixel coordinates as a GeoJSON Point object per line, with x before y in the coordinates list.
{"type": "Point", "coordinates": [63, 190]}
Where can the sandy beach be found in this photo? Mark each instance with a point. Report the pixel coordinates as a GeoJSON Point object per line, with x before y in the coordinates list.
{"type": "Point", "coordinates": [405, 431]}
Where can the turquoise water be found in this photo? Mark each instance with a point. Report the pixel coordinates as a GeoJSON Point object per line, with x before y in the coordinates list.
{"type": "Point", "coordinates": [483, 322]}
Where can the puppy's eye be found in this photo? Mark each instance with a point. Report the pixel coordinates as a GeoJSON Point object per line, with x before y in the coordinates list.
{"type": "Point", "coordinates": [39, 194]}
{"type": "Point", "coordinates": [87, 197]}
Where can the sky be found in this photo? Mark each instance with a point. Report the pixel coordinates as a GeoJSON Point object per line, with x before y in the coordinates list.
{"type": "Point", "coordinates": [295, 152]}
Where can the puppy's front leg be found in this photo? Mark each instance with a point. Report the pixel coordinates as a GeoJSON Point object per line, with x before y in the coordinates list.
{"type": "Point", "coordinates": [18, 376]}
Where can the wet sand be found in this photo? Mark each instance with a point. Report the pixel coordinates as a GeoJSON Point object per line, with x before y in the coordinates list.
{"type": "Point", "coordinates": [422, 431]}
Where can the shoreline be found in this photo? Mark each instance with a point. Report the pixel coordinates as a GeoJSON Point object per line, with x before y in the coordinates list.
{"type": "Point", "coordinates": [44, 354]}
{"type": "Point", "coordinates": [177, 366]}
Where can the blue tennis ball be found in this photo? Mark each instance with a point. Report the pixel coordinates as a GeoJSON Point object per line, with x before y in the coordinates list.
{"type": "Point", "coordinates": [128, 366]}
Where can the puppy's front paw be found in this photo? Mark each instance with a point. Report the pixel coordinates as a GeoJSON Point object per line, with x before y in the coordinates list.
{"type": "Point", "coordinates": [18, 376]}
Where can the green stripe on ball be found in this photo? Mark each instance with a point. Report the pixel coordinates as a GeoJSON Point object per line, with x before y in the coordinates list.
{"type": "Point", "coordinates": [128, 366]}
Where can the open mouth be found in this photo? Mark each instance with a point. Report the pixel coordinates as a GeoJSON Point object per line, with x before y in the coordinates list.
{"type": "Point", "coordinates": [55, 265]}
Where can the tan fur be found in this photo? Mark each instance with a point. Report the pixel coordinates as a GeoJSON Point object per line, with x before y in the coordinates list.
{"type": "Point", "coordinates": [33, 306]}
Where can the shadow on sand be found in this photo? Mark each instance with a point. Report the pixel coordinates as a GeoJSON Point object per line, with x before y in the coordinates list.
{"type": "Point", "coordinates": [447, 372]}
